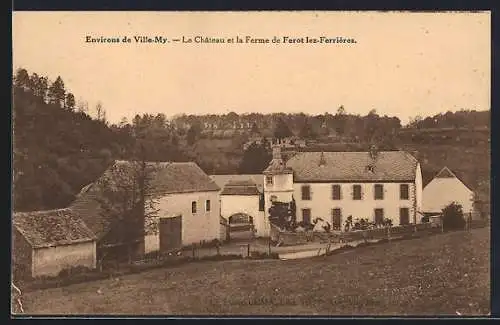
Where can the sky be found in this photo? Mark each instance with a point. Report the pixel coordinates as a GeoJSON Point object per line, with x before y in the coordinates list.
{"type": "Point", "coordinates": [402, 64]}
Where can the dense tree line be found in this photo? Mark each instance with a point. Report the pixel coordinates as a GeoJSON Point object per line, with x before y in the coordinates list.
{"type": "Point", "coordinates": [59, 147]}
{"type": "Point", "coordinates": [460, 119]}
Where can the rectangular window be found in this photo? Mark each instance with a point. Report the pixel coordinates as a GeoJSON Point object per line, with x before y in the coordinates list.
{"type": "Point", "coordinates": [404, 190]}
{"type": "Point", "coordinates": [207, 205]}
{"type": "Point", "coordinates": [379, 191]}
{"type": "Point", "coordinates": [356, 192]}
{"type": "Point", "coordinates": [306, 192]}
{"type": "Point", "coordinates": [336, 218]}
{"type": "Point", "coordinates": [269, 180]}
{"type": "Point", "coordinates": [379, 216]}
{"type": "Point", "coordinates": [261, 202]}
{"type": "Point", "coordinates": [193, 207]}
{"type": "Point", "coordinates": [336, 193]}
{"type": "Point", "coordinates": [306, 216]}
{"type": "Point", "coordinates": [404, 216]}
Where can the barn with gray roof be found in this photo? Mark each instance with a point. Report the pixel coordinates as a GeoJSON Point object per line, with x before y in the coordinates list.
{"type": "Point", "coordinates": [46, 242]}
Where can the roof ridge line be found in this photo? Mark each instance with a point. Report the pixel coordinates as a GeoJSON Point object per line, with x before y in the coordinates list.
{"type": "Point", "coordinates": [68, 208]}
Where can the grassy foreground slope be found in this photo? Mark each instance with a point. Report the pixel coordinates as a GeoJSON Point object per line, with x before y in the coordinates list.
{"type": "Point", "coordinates": [437, 275]}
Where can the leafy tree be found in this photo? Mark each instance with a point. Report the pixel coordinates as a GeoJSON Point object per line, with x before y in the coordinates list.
{"type": "Point", "coordinates": [282, 130]}
{"type": "Point", "coordinates": [254, 130]}
{"type": "Point", "coordinates": [453, 216]}
{"type": "Point", "coordinates": [40, 86]}
{"type": "Point", "coordinates": [22, 79]}
{"type": "Point", "coordinates": [282, 215]}
{"type": "Point", "coordinates": [70, 102]}
{"type": "Point", "coordinates": [193, 133]}
{"type": "Point", "coordinates": [255, 159]}
{"type": "Point", "coordinates": [307, 131]}
{"type": "Point", "coordinates": [57, 92]}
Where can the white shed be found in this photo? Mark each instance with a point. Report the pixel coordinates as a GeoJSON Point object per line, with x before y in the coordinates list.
{"type": "Point", "coordinates": [444, 189]}
{"type": "Point", "coordinates": [46, 242]}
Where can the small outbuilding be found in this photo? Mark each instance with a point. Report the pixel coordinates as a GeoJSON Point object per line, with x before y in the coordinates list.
{"type": "Point", "coordinates": [444, 189]}
{"type": "Point", "coordinates": [46, 242]}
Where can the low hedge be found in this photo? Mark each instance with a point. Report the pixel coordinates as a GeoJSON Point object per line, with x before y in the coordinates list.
{"type": "Point", "coordinates": [263, 255]}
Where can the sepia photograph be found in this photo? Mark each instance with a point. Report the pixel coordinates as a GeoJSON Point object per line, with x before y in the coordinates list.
{"type": "Point", "coordinates": [258, 163]}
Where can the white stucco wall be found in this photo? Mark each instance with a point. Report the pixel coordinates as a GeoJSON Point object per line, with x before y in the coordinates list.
{"type": "Point", "coordinates": [321, 203]}
{"type": "Point", "coordinates": [249, 204]}
{"type": "Point", "coordinates": [196, 227]}
{"type": "Point", "coordinates": [282, 188]}
{"type": "Point", "coordinates": [280, 182]}
{"type": "Point", "coordinates": [51, 260]}
{"type": "Point", "coordinates": [440, 192]}
{"type": "Point", "coordinates": [419, 189]}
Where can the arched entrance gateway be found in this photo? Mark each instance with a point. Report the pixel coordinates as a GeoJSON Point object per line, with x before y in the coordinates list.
{"type": "Point", "coordinates": [241, 226]}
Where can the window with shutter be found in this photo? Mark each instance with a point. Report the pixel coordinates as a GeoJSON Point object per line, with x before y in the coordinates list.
{"type": "Point", "coordinates": [379, 191]}
{"type": "Point", "coordinates": [306, 192]}
{"type": "Point", "coordinates": [336, 218]}
{"type": "Point", "coordinates": [404, 190]}
{"type": "Point", "coordinates": [336, 192]}
{"type": "Point", "coordinates": [356, 192]}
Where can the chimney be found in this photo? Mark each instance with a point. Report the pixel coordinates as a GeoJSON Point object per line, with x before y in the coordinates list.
{"type": "Point", "coordinates": [322, 160]}
{"type": "Point", "coordinates": [276, 152]}
{"type": "Point", "coordinates": [373, 152]}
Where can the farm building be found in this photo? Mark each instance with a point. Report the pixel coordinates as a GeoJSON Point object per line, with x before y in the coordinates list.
{"type": "Point", "coordinates": [334, 185]}
{"type": "Point", "coordinates": [186, 207]}
{"type": "Point", "coordinates": [241, 203]}
{"type": "Point", "coordinates": [180, 199]}
{"type": "Point", "coordinates": [118, 224]}
{"type": "Point", "coordinates": [444, 189]}
{"type": "Point", "coordinates": [241, 198]}
{"type": "Point", "coordinates": [46, 242]}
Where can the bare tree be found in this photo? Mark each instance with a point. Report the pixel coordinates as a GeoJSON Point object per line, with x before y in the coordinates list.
{"type": "Point", "coordinates": [99, 110]}
{"type": "Point", "coordinates": [127, 195]}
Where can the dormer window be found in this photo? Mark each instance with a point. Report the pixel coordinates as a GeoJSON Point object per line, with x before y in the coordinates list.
{"type": "Point", "coordinates": [370, 168]}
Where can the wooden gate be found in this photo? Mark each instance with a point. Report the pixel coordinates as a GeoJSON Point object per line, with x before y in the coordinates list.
{"type": "Point", "coordinates": [170, 233]}
{"type": "Point", "coordinates": [241, 226]}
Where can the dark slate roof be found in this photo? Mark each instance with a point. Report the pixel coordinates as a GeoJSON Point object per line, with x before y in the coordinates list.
{"type": "Point", "coordinates": [240, 187]}
{"type": "Point", "coordinates": [222, 180]}
{"type": "Point", "coordinates": [88, 206]}
{"type": "Point", "coordinates": [52, 228]}
{"type": "Point", "coordinates": [165, 178]}
{"type": "Point", "coordinates": [181, 177]}
{"type": "Point", "coordinates": [353, 166]}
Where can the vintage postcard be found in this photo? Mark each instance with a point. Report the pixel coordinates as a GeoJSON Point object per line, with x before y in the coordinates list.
{"type": "Point", "coordinates": [251, 163]}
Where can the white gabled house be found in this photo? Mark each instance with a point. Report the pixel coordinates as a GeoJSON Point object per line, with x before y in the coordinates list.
{"type": "Point", "coordinates": [186, 207]}
{"type": "Point", "coordinates": [183, 208]}
{"type": "Point", "coordinates": [444, 189]}
{"type": "Point", "coordinates": [335, 185]}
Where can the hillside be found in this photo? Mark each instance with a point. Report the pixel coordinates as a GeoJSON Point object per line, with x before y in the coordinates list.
{"type": "Point", "coordinates": [59, 147]}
